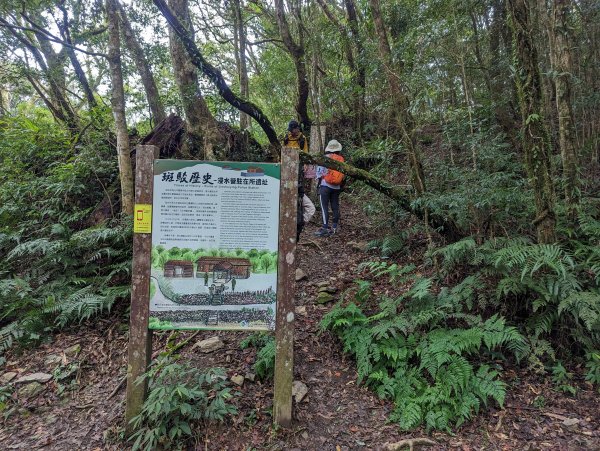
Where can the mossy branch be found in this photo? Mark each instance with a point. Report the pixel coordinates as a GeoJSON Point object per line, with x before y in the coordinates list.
{"type": "Point", "coordinates": [400, 195]}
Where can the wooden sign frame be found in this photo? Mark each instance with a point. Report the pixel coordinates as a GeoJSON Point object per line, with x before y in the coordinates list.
{"type": "Point", "coordinates": [140, 336]}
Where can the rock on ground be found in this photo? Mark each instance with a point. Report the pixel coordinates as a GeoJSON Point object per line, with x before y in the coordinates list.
{"type": "Point", "coordinates": [34, 377]}
{"type": "Point", "coordinates": [299, 390]}
{"type": "Point", "coordinates": [209, 345]}
{"type": "Point", "coordinates": [324, 298]}
{"type": "Point", "coordinates": [301, 310]}
{"type": "Point", "coordinates": [30, 390]}
{"type": "Point", "coordinates": [238, 379]}
{"type": "Point", "coordinates": [7, 377]}
{"type": "Point", "coordinates": [300, 275]}
{"type": "Point", "coordinates": [73, 350]}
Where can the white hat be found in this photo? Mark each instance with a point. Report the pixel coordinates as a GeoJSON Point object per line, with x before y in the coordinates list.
{"type": "Point", "coordinates": [333, 146]}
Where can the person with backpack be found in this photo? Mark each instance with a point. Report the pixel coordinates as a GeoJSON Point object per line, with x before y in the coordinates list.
{"type": "Point", "coordinates": [330, 183]}
{"type": "Point", "coordinates": [294, 137]}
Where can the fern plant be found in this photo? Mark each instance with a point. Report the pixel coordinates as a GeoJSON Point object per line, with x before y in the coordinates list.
{"type": "Point", "coordinates": [179, 397]}
{"type": "Point", "coordinates": [68, 280]}
{"type": "Point", "coordinates": [555, 286]}
{"type": "Point", "coordinates": [58, 266]}
{"type": "Point", "coordinates": [593, 367]}
{"type": "Point", "coordinates": [406, 352]}
{"type": "Point", "coordinates": [264, 366]}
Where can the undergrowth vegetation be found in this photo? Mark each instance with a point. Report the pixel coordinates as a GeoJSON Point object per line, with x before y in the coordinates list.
{"type": "Point", "coordinates": [425, 351]}
{"type": "Point", "coordinates": [179, 397]}
{"type": "Point", "coordinates": [264, 366]}
{"type": "Point", "coordinates": [63, 260]}
{"type": "Point", "coordinates": [493, 296]}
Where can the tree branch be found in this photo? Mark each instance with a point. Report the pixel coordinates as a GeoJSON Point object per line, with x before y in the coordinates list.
{"type": "Point", "coordinates": [264, 41]}
{"type": "Point", "coordinates": [215, 76]}
{"type": "Point", "coordinates": [50, 37]}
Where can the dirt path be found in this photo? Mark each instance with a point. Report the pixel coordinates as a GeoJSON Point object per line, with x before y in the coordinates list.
{"type": "Point", "coordinates": [336, 413]}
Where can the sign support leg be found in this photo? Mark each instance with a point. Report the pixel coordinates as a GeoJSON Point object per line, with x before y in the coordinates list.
{"type": "Point", "coordinates": [284, 335]}
{"type": "Point", "coordinates": [140, 337]}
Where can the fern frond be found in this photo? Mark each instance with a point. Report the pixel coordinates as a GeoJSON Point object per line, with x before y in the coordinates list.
{"type": "Point", "coordinates": [41, 246]}
{"type": "Point", "coordinates": [9, 333]}
{"type": "Point", "coordinates": [584, 306]}
{"type": "Point", "coordinates": [488, 386]}
{"type": "Point", "coordinates": [535, 257]}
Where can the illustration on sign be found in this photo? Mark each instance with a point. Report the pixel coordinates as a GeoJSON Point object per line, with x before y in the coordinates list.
{"type": "Point", "coordinates": [214, 245]}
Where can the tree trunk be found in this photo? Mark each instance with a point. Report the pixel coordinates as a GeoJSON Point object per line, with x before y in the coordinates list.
{"type": "Point", "coordinates": [348, 35]}
{"type": "Point", "coordinates": [54, 70]}
{"type": "Point", "coordinates": [563, 67]}
{"type": "Point", "coordinates": [345, 35]}
{"type": "Point", "coordinates": [52, 101]}
{"type": "Point", "coordinates": [215, 76]}
{"type": "Point", "coordinates": [240, 33]}
{"type": "Point", "coordinates": [504, 114]}
{"type": "Point", "coordinates": [401, 101]}
{"type": "Point", "coordinates": [401, 197]}
{"type": "Point", "coordinates": [202, 128]}
{"type": "Point", "coordinates": [536, 142]}
{"type": "Point", "coordinates": [118, 107]}
{"type": "Point", "coordinates": [297, 52]}
{"type": "Point", "coordinates": [361, 78]}
{"type": "Point", "coordinates": [81, 76]}
{"type": "Point", "coordinates": [141, 63]}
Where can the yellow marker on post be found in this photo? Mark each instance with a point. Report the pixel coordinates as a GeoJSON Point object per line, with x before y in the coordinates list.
{"type": "Point", "coordinates": [142, 218]}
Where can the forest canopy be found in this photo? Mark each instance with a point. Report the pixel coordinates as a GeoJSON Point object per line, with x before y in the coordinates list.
{"type": "Point", "coordinates": [470, 130]}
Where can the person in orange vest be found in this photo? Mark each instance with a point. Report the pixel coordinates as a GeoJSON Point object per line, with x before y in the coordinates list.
{"type": "Point", "coordinates": [330, 184]}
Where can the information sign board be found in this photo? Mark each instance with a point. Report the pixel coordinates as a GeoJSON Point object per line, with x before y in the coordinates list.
{"type": "Point", "coordinates": [215, 228]}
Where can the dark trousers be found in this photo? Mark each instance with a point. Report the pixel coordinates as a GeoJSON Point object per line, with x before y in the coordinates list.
{"type": "Point", "coordinates": [329, 196]}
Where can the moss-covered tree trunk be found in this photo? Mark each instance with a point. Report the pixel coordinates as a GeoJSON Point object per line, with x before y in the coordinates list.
{"type": "Point", "coordinates": [563, 68]}
{"type": "Point", "coordinates": [360, 73]}
{"type": "Point", "coordinates": [201, 126]}
{"type": "Point", "coordinates": [240, 57]}
{"type": "Point", "coordinates": [502, 92]}
{"type": "Point", "coordinates": [298, 54]}
{"type": "Point", "coordinates": [535, 138]}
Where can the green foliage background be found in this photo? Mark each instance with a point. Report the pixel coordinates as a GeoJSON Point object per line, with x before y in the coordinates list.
{"type": "Point", "coordinates": [58, 267]}
{"type": "Point", "coordinates": [261, 261]}
{"type": "Point", "coordinates": [486, 297]}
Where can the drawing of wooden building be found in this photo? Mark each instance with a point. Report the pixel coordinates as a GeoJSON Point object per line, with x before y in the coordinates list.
{"type": "Point", "coordinates": [224, 267]}
{"type": "Point", "coordinates": [179, 268]}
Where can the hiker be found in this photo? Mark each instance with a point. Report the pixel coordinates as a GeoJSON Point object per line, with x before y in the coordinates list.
{"type": "Point", "coordinates": [329, 186]}
{"type": "Point", "coordinates": [296, 140]}
{"type": "Point", "coordinates": [294, 137]}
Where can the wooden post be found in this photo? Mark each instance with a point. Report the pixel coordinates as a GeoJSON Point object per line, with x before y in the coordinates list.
{"type": "Point", "coordinates": [284, 335]}
{"type": "Point", "coordinates": [140, 337]}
